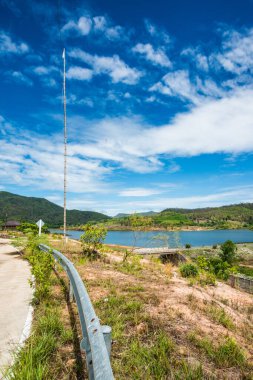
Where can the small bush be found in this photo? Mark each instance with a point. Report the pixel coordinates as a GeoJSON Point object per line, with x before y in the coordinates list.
{"type": "Point", "coordinates": [189, 270]}
{"type": "Point", "coordinates": [202, 262]}
{"type": "Point", "coordinates": [187, 245]}
{"type": "Point", "coordinates": [92, 240]}
{"type": "Point", "coordinates": [207, 279]}
{"type": "Point", "coordinates": [215, 246]}
{"type": "Point", "coordinates": [228, 252]}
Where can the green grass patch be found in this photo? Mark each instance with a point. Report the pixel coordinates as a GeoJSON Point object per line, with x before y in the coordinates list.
{"type": "Point", "coordinates": [34, 361]}
{"type": "Point", "coordinates": [219, 315]}
{"type": "Point", "coordinates": [142, 348]}
{"type": "Point", "coordinates": [226, 354]}
{"type": "Point", "coordinates": [130, 266]}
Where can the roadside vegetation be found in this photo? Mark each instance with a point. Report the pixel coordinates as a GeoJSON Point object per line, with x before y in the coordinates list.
{"type": "Point", "coordinates": [167, 322]}
{"type": "Point", "coordinates": [50, 346]}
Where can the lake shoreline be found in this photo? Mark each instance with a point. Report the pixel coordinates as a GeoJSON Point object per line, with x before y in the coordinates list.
{"type": "Point", "coordinates": [159, 229]}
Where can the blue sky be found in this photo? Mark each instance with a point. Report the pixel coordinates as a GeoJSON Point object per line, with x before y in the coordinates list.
{"type": "Point", "coordinates": [160, 102]}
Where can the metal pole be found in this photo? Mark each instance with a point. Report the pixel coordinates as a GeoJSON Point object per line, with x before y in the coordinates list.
{"type": "Point", "coordinates": [65, 144]}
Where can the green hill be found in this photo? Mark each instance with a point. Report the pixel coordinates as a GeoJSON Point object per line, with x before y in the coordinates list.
{"type": "Point", "coordinates": [221, 217]}
{"type": "Point", "coordinates": [31, 209]}
{"type": "Point", "coordinates": [232, 216]}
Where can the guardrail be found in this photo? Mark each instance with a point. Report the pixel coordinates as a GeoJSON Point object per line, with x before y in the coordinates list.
{"type": "Point", "coordinates": [96, 341]}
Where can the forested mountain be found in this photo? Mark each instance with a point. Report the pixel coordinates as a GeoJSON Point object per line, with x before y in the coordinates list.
{"type": "Point", "coordinates": [31, 209]}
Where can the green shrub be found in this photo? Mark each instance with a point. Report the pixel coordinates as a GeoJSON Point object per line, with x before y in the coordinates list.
{"type": "Point", "coordinates": [189, 270]}
{"type": "Point", "coordinates": [221, 269]}
{"type": "Point", "coordinates": [33, 228]}
{"type": "Point", "coordinates": [215, 246]}
{"type": "Point", "coordinates": [92, 239]}
{"type": "Point", "coordinates": [187, 245]}
{"type": "Point", "coordinates": [202, 262]}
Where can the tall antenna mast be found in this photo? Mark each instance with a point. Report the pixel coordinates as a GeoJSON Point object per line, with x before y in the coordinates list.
{"type": "Point", "coordinates": [65, 144]}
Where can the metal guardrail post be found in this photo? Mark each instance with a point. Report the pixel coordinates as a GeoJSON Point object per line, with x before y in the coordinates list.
{"type": "Point", "coordinates": [71, 293]}
{"type": "Point", "coordinates": [96, 341]}
{"type": "Point", "coordinates": [107, 332]}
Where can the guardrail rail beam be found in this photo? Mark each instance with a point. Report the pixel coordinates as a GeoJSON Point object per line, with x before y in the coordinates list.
{"type": "Point", "coordinates": [96, 339]}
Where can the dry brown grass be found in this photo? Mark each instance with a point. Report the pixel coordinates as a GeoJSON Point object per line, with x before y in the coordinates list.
{"type": "Point", "coordinates": [166, 303]}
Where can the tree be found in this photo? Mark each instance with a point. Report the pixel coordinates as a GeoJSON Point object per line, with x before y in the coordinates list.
{"type": "Point", "coordinates": [228, 252]}
{"type": "Point", "coordinates": [92, 239]}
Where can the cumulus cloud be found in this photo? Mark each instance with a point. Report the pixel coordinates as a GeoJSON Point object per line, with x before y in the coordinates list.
{"type": "Point", "coordinates": [44, 70]}
{"type": "Point", "coordinates": [219, 126]}
{"type": "Point", "coordinates": [82, 27]}
{"type": "Point", "coordinates": [112, 32]}
{"type": "Point", "coordinates": [113, 66]}
{"type": "Point", "coordinates": [8, 46]}
{"type": "Point", "coordinates": [195, 90]}
{"type": "Point", "coordinates": [156, 56]}
{"type": "Point", "coordinates": [79, 73]}
{"type": "Point", "coordinates": [99, 25]}
{"type": "Point", "coordinates": [236, 53]}
{"type": "Point", "coordinates": [177, 84]}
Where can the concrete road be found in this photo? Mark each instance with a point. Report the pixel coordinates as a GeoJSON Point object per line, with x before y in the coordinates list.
{"type": "Point", "coordinates": [15, 297]}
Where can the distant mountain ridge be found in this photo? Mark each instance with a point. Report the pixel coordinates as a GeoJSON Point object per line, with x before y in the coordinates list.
{"type": "Point", "coordinates": [31, 209]}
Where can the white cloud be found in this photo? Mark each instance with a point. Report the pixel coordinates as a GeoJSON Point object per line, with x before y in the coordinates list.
{"type": "Point", "coordinates": [111, 32]}
{"type": "Point", "coordinates": [177, 84]}
{"type": "Point", "coordinates": [82, 27]}
{"type": "Point", "coordinates": [44, 70]}
{"type": "Point", "coordinates": [236, 55]}
{"type": "Point", "coordinates": [196, 90]}
{"type": "Point", "coordinates": [113, 66]}
{"type": "Point", "coordinates": [101, 25]}
{"type": "Point", "coordinates": [218, 126]}
{"type": "Point", "coordinates": [156, 56]}
{"type": "Point", "coordinates": [138, 192]}
{"type": "Point", "coordinates": [23, 164]}
{"type": "Point", "coordinates": [158, 33]}
{"type": "Point", "coordinates": [73, 99]}
{"type": "Point", "coordinates": [19, 77]}
{"type": "Point", "coordinates": [79, 73]}
{"type": "Point", "coordinates": [8, 46]}
{"type": "Point", "coordinates": [200, 60]}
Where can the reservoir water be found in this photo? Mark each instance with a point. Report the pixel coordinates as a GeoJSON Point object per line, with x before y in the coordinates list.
{"type": "Point", "coordinates": [170, 238]}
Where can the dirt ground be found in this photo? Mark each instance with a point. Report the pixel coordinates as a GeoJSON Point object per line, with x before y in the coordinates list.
{"type": "Point", "coordinates": [180, 307]}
